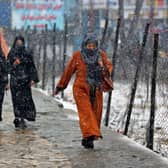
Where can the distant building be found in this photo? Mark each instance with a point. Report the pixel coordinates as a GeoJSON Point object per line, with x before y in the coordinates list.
{"type": "Point", "coordinates": [160, 9]}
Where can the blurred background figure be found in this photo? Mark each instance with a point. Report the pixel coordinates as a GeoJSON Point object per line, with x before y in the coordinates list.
{"type": "Point", "coordinates": [3, 69]}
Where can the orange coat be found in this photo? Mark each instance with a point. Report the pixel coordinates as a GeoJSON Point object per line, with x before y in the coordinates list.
{"type": "Point", "coordinates": [89, 117]}
{"type": "Point", "coordinates": [3, 45]}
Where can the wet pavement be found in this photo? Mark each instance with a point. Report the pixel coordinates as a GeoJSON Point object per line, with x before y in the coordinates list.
{"type": "Point", "coordinates": [26, 148]}
{"type": "Point", "coordinates": [54, 141]}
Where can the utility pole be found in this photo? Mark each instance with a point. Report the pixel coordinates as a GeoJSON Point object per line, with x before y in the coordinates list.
{"type": "Point", "coordinates": [54, 59]}
{"type": "Point", "coordinates": [44, 57]}
{"type": "Point", "coordinates": [150, 138]}
{"type": "Point", "coordinates": [137, 74]}
{"type": "Point", "coordinates": [65, 45]}
{"type": "Point", "coordinates": [107, 115]}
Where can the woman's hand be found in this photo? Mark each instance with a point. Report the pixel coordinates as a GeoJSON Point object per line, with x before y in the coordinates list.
{"type": "Point", "coordinates": [7, 86]}
{"type": "Point", "coordinates": [100, 63]}
{"type": "Point", "coordinates": [17, 61]}
{"type": "Point", "coordinates": [57, 90]}
{"type": "Point", "coordinates": [32, 83]}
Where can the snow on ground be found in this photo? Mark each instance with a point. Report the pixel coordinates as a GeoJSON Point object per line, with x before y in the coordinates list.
{"type": "Point", "coordinates": [66, 104]}
{"type": "Point", "coordinates": [45, 92]}
{"type": "Point", "coordinates": [136, 145]}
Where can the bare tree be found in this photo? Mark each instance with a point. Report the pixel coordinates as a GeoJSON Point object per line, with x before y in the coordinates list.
{"type": "Point", "coordinates": [121, 16]}
{"type": "Point", "coordinates": [134, 22]}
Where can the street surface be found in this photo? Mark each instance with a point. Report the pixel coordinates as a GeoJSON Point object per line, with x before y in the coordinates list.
{"type": "Point", "coordinates": [54, 141]}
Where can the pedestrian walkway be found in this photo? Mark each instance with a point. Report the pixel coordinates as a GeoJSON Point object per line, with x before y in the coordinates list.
{"type": "Point", "coordinates": [54, 141]}
{"type": "Point", "coordinates": [25, 148]}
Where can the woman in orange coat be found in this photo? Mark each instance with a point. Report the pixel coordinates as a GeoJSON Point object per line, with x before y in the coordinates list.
{"type": "Point", "coordinates": [3, 69]}
{"type": "Point", "coordinates": [89, 63]}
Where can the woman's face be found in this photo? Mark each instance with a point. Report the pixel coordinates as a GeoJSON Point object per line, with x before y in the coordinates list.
{"type": "Point", "coordinates": [91, 46]}
{"type": "Point", "coordinates": [19, 43]}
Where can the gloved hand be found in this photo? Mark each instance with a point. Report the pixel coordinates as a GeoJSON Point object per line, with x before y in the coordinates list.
{"type": "Point", "coordinates": [32, 83]}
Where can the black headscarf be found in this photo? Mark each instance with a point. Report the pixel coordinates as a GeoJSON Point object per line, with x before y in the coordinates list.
{"type": "Point", "coordinates": [19, 37]}
{"type": "Point", "coordinates": [19, 49]}
{"type": "Point", "coordinates": [91, 58]}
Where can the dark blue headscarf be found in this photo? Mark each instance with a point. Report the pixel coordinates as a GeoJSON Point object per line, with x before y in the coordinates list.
{"type": "Point", "coordinates": [19, 37]}
{"type": "Point", "coordinates": [91, 58]}
{"type": "Point", "coordinates": [19, 50]}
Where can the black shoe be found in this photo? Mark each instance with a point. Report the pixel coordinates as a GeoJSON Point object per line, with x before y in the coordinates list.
{"type": "Point", "coordinates": [90, 142]}
{"type": "Point", "coordinates": [23, 124]}
{"type": "Point", "coordinates": [84, 142]}
{"type": "Point", "coordinates": [0, 117]}
{"type": "Point", "coordinates": [87, 143]}
{"type": "Point", "coordinates": [16, 123]}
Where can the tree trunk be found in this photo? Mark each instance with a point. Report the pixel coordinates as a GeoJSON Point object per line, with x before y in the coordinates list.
{"type": "Point", "coordinates": [153, 94]}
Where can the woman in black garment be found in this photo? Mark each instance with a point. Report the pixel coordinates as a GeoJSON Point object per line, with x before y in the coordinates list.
{"type": "Point", "coordinates": [23, 75]}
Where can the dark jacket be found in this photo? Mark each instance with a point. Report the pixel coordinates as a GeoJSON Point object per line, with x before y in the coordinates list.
{"type": "Point", "coordinates": [3, 69]}
{"type": "Point", "coordinates": [24, 72]}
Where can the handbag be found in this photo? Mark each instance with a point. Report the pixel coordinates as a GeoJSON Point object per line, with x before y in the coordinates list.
{"type": "Point", "coordinates": [107, 83]}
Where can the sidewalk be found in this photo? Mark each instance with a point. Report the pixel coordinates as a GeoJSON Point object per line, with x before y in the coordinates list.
{"type": "Point", "coordinates": [25, 148]}
{"type": "Point", "coordinates": [55, 141]}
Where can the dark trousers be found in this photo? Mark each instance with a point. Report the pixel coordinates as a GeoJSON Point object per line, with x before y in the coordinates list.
{"type": "Point", "coordinates": [2, 91]}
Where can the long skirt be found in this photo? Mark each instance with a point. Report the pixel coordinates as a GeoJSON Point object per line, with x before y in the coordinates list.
{"type": "Point", "coordinates": [23, 104]}
{"type": "Point", "coordinates": [89, 116]}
